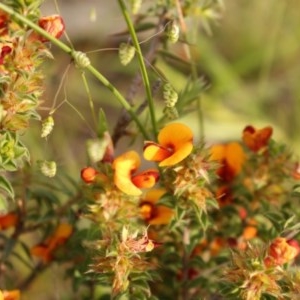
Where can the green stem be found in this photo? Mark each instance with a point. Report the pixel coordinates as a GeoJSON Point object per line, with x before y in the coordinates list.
{"type": "Point", "coordinates": [90, 98]}
{"type": "Point", "coordinates": [194, 72]}
{"type": "Point", "coordinates": [72, 53]}
{"type": "Point", "coordinates": [141, 63]}
{"type": "Point", "coordinates": [120, 97]}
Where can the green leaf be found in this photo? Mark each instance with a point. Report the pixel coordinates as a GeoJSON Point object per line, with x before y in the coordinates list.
{"type": "Point", "coordinates": [102, 123]}
{"type": "Point", "coordinates": [6, 186]}
{"type": "Point", "coordinates": [3, 205]}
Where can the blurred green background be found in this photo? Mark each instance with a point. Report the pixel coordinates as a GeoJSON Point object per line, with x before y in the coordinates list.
{"type": "Point", "coordinates": [251, 62]}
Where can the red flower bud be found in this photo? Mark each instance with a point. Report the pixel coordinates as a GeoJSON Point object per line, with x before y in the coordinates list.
{"type": "Point", "coordinates": [88, 174]}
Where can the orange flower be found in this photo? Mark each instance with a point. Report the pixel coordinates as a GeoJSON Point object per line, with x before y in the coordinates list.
{"type": "Point", "coordinates": [257, 139]}
{"type": "Point", "coordinates": [10, 295]}
{"type": "Point", "coordinates": [231, 156]}
{"type": "Point", "coordinates": [280, 252]}
{"type": "Point", "coordinates": [53, 24]}
{"type": "Point", "coordinates": [175, 143]}
{"type": "Point", "coordinates": [125, 166]}
{"type": "Point", "coordinates": [155, 214]}
{"type": "Point", "coordinates": [8, 220]}
{"type": "Point", "coordinates": [59, 237]}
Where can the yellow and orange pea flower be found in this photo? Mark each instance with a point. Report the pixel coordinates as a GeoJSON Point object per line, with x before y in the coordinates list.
{"type": "Point", "coordinates": [60, 236]}
{"type": "Point", "coordinates": [10, 295]}
{"type": "Point", "coordinates": [175, 143]}
{"type": "Point", "coordinates": [53, 24]}
{"type": "Point", "coordinates": [256, 139]}
{"type": "Point", "coordinates": [152, 213]}
{"type": "Point", "coordinates": [231, 157]}
{"type": "Point", "coordinates": [125, 177]}
{"type": "Point", "coordinates": [280, 252]}
{"type": "Point", "coordinates": [8, 220]}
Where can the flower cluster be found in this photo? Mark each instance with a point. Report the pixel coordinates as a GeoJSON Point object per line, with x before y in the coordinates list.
{"type": "Point", "coordinates": [123, 196]}
{"type": "Point", "coordinates": [22, 51]}
{"type": "Point", "coordinates": [20, 59]}
{"type": "Point", "coordinates": [258, 272]}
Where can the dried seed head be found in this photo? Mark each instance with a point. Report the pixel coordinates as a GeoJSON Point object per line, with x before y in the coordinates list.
{"type": "Point", "coordinates": [135, 6]}
{"type": "Point", "coordinates": [81, 59]}
{"type": "Point", "coordinates": [126, 53]}
{"type": "Point", "coordinates": [173, 32]}
{"type": "Point", "coordinates": [47, 126]}
{"type": "Point", "coordinates": [171, 113]}
{"type": "Point", "coordinates": [47, 168]}
{"type": "Point", "coordinates": [170, 95]}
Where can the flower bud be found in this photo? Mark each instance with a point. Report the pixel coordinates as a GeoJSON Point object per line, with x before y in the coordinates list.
{"type": "Point", "coordinates": [88, 174]}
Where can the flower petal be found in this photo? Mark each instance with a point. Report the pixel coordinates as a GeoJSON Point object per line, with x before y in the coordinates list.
{"type": "Point", "coordinates": [256, 139]}
{"type": "Point", "coordinates": [180, 154]}
{"type": "Point", "coordinates": [8, 220]}
{"type": "Point", "coordinates": [217, 152]}
{"type": "Point", "coordinates": [146, 179]}
{"type": "Point", "coordinates": [155, 214]}
{"type": "Point", "coordinates": [10, 295]}
{"type": "Point", "coordinates": [231, 156]}
{"type": "Point", "coordinates": [175, 134]}
{"type": "Point", "coordinates": [178, 138]}
{"type": "Point", "coordinates": [175, 144]}
{"type": "Point", "coordinates": [235, 157]}
{"type": "Point", "coordinates": [124, 166]}
{"type": "Point", "coordinates": [152, 196]}
{"type": "Point", "coordinates": [63, 231]}
{"type": "Point", "coordinates": [42, 252]}
{"type": "Point", "coordinates": [163, 215]}
{"type": "Point", "coordinates": [53, 24]}
{"type": "Point", "coordinates": [61, 234]}
{"type": "Point", "coordinates": [155, 152]}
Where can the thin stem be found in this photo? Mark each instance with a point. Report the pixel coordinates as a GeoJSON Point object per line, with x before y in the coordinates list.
{"type": "Point", "coordinates": [72, 53]}
{"type": "Point", "coordinates": [120, 97]}
{"type": "Point", "coordinates": [141, 63]}
{"type": "Point", "coordinates": [186, 47]}
{"type": "Point", "coordinates": [32, 276]}
{"type": "Point", "coordinates": [90, 98]}
{"type": "Point", "coordinates": [187, 50]}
